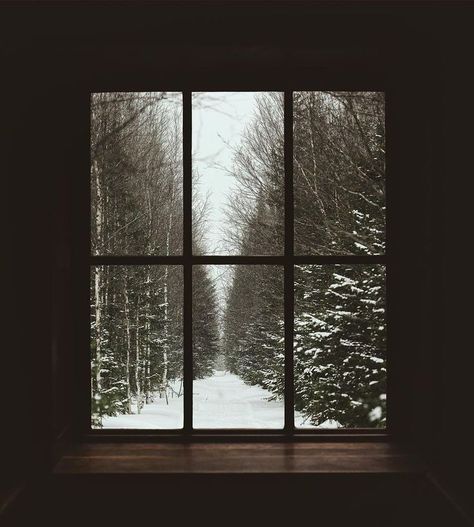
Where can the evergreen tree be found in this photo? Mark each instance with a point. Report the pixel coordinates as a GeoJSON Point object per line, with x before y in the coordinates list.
{"type": "Point", "coordinates": [206, 339]}
{"type": "Point", "coordinates": [137, 311]}
{"type": "Point", "coordinates": [340, 344]}
{"type": "Point", "coordinates": [253, 326]}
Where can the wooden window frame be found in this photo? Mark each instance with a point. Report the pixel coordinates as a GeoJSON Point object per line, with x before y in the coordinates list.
{"type": "Point", "coordinates": [287, 261]}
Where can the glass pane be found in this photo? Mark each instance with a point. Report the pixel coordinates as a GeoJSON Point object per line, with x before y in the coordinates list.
{"type": "Point", "coordinates": [340, 346]}
{"type": "Point", "coordinates": [238, 346]}
{"type": "Point", "coordinates": [238, 173]}
{"type": "Point", "coordinates": [137, 346]}
{"type": "Point", "coordinates": [339, 172]}
{"type": "Point", "coordinates": [136, 173]}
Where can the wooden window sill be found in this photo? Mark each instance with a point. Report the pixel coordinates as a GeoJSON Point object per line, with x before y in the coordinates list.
{"type": "Point", "coordinates": [237, 458]}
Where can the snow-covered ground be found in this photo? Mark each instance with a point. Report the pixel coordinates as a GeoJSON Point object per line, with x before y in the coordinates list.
{"type": "Point", "coordinates": [225, 401]}
{"type": "Point", "coordinates": [220, 401]}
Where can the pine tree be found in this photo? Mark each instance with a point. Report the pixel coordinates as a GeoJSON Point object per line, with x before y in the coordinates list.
{"type": "Point", "coordinates": [340, 344]}
{"type": "Point", "coordinates": [206, 339]}
{"type": "Point", "coordinates": [253, 328]}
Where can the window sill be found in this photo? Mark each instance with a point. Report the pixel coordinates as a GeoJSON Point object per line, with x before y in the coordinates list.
{"type": "Point", "coordinates": [237, 458]}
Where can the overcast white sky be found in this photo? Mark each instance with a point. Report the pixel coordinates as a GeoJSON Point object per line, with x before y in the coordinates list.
{"type": "Point", "coordinates": [219, 120]}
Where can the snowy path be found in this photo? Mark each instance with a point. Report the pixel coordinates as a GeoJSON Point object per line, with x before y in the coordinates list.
{"type": "Point", "coordinates": [225, 401]}
{"type": "Point", "coordinates": [220, 401]}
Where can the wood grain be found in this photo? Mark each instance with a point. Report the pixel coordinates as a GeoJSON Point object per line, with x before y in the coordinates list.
{"type": "Point", "coordinates": [237, 458]}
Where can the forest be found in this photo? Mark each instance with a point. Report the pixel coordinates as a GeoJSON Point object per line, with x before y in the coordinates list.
{"type": "Point", "coordinates": [339, 209]}
{"type": "Point", "coordinates": [137, 311]}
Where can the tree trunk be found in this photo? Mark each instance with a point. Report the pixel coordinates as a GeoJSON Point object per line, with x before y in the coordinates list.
{"type": "Point", "coordinates": [147, 336]}
{"type": "Point", "coordinates": [98, 282]}
{"type": "Point", "coordinates": [164, 379]}
{"type": "Point", "coordinates": [128, 339]}
{"type": "Point", "coordinates": [138, 360]}
{"type": "Point", "coordinates": [98, 328]}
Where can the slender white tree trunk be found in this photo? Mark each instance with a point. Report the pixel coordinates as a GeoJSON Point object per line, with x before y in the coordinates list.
{"type": "Point", "coordinates": [147, 336]}
{"type": "Point", "coordinates": [148, 309]}
{"type": "Point", "coordinates": [316, 192]}
{"type": "Point", "coordinates": [98, 281]}
{"type": "Point", "coordinates": [138, 360]}
{"type": "Point", "coordinates": [129, 346]}
{"type": "Point", "coordinates": [164, 380]}
{"type": "Point", "coordinates": [98, 328]}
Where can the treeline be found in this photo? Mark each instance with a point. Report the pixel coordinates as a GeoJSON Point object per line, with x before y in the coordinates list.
{"type": "Point", "coordinates": [254, 336]}
{"type": "Point", "coordinates": [205, 313]}
{"type": "Point", "coordinates": [339, 344]}
{"type": "Point", "coordinates": [339, 172]}
{"type": "Point", "coordinates": [136, 311]}
{"type": "Point", "coordinates": [137, 343]}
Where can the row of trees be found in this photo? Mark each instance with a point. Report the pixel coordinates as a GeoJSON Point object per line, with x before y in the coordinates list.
{"type": "Point", "coordinates": [136, 186]}
{"type": "Point", "coordinates": [253, 337]}
{"type": "Point", "coordinates": [339, 172]}
{"type": "Point", "coordinates": [339, 344]}
{"type": "Point", "coordinates": [137, 346]}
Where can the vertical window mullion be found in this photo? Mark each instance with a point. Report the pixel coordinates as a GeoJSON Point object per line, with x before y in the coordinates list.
{"type": "Point", "coordinates": [390, 269]}
{"type": "Point", "coordinates": [82, 287]}
{"type": "Point", "coordinates": [187, 253]}
{"type": "Point", "coordinates": [289, 271]}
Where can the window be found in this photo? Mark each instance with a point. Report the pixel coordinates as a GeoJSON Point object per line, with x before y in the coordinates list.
{"type": "Point", "coordinates": [237, 268]}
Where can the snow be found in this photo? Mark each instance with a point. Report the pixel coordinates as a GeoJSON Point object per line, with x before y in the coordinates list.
{"type": "Point", "coordinates": [376, 413]}
{"type": "Point", "coordinates": [329, 423]}
{"type": "Point", "coordinates": [156, 415]}
{"type": "Point", "coordinates": [360, 246]}
{"type": "Point", "coordinates": [220, 401]}
{"type": "Point", "coordinates": [378, 360]}
{"type": "Point", "coordinates": [225, 401]}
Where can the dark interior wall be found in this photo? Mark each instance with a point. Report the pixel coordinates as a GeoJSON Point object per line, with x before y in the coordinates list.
{"type": "Point", "coordinates": [454, 305]}
{"type": "Point", "coordinates": [52, 54]}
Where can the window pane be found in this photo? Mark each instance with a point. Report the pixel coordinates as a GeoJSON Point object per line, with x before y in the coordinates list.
{"type": "Point", "coordinates": [238, 173]}
{"type": "Point", "coordinates": [136, 173]}
{"type": "Point", "coordinates": [238, 346]}
{"type": "Point", "coordinates": [137, 346]}
{"type": "Point", "coordinates": [339, 346]}
{"type": "Point", "coordinates": [339, 172]}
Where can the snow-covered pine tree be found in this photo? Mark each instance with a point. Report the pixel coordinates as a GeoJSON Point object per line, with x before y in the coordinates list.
{"type": "Point", "coordinates": [206, 338]}
{"type": "Point", "coordinates": [253, 328]}
{"type": "Point", "coordinates": [340, 344]}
